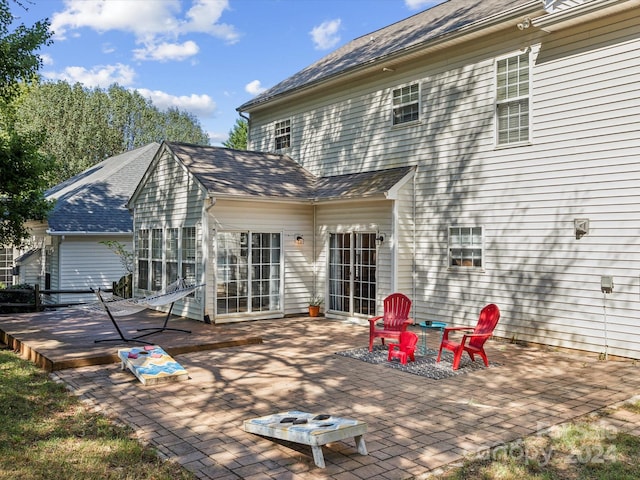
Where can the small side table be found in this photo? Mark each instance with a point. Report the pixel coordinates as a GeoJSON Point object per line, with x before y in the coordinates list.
{"type": "Point", "coordinates": [430, 326]}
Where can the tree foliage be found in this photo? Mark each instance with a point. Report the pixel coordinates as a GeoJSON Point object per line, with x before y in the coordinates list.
{"type": "Point", "coordinates": [238, 135]}
{"type": "Point", "coordinates": [83, 126]}
{"type": "Point", "coordinates": [22, 168]}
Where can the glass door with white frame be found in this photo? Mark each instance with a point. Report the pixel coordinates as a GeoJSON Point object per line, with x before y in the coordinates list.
{"type": "Point", "coordinates": [352, 273]}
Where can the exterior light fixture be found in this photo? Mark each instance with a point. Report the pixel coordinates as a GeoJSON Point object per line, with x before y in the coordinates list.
{"type": "Point", "coordinates": [379, 239]}
{"type": "Point", "coordinates": [299, 239]}
{"type": "Point", "coordinates": [581, 227]}
{"type": "Point", "coordinates": [526, 23]}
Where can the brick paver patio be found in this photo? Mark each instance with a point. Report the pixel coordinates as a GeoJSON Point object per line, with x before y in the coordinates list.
{"type": "Point", "coordinates": [415, 425]}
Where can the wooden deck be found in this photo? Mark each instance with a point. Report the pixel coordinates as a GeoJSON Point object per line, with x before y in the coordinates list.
{"type": "Point", "coordinates": [66, 338]}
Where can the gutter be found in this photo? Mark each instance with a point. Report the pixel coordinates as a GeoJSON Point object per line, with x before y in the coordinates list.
{"type": "Point", "coordinates": [55, 233]}
{"type": "Point", "coordinates": [560, 18]}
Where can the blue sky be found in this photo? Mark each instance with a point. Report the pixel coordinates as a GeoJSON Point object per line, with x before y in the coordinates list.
{"type": "Point", "coordinates": [204, 56]}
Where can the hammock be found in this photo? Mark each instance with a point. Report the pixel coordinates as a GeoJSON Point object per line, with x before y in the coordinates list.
{"type": "Point", "coordinates": [117, 307]}
{"type": "Point", "coordinates": [128, 306]}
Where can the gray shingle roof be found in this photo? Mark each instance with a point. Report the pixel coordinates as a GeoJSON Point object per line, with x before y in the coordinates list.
{"type": "Point", "coordinates": [241, 173]}
{"type": "Point", "coordinates": [418, 30]}
{"type": "Point", "coordinates": [94, 201]}
{"type": "Point", "coordinates": [244, 174]}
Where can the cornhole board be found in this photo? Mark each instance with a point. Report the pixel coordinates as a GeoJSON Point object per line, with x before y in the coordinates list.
{"type": "Point", "coordinates": [151, 365]}
{"type": "Point", "coordinates": [309, 429]}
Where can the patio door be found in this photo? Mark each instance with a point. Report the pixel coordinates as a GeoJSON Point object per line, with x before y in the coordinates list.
{"type": "Point", "coordinates": [352, 273]}
{"type": "Point", "coordinates": [248, 272]}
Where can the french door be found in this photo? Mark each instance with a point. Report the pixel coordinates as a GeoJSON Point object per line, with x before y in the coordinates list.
{"type": "Point", "coordinates": [352, 273]}
{"type": "Point", "coordinates": [248, 272]}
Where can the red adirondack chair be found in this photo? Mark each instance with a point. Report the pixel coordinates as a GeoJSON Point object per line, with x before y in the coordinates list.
{"type": "Point", "coordinates": [405, 349]}
{"type": "Point", "coordinates": [394, 321]}
{"type": "Point", "coordinates": [472, 342]}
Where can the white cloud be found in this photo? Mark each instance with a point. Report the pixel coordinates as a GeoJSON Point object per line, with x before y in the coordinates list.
{"type": "Point", "coordinates": [254, 88]}
{"type": "Point", "coordinates": [421, 4]}
{"type": "Point", "coordinates": [99, 76]}
{"type": "Point", "coordinates": [325, 35]}
{"type": "Point", "coordinates": [167, 51]}
{"type": "Point", "coordinates": [152, 22]}
{"type": "Point", "coordinates": [199, 105]}
{"type": "Point", "coordinates": [46, 59]}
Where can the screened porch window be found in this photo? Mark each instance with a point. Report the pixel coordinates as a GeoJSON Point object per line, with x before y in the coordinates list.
{"type": "Point", "coordinates": [465, 247]}
{"type": "Point", "coordinates": [513, 99]}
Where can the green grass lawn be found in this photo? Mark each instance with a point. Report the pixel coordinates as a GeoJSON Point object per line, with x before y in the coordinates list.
{"type": "Point", "coordinates": [47, 433]}
{"type": "Point", "coordinates": [586, 449]}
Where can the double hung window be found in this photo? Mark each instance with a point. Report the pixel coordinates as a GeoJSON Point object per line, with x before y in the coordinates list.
{"type": "Point", "coordinates": [465, 247]}
{"type": "Point", "coordinates": [283, 134]}
{"type": "Point", "coordinates": [406, 104]}
{"type": "Point", "coordinates": [513, 99]}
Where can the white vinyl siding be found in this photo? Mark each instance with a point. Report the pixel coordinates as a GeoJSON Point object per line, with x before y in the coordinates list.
{"type": "Point", "coordinates": [171, 199]}
{"type": "Point", "coordinates": [583, 163]}
{"type": "Point", "coordinates": [289, 220]}
{"type": "Point", "coordinates": [88, 264]}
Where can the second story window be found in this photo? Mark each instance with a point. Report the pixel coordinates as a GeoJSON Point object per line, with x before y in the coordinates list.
{"type": "Point", "coordinates": [406, 104]}
{"type": "Point", "coordinates": [283, 134]}
{"type": "Point", "coordinates": [512, 99]}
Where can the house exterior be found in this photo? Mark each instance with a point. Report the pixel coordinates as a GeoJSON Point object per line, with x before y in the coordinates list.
{"type": "Point", "coordinates": [243, 223]}
{"type": "Point", "coordinates": [522, 121]}
{"type": "Point", "coordinates": [65, 252]}
{"type": "Point", "coordinates": [474, 153]}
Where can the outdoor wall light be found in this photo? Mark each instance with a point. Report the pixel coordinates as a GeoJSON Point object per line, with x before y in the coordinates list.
{"type": "Point", "coordinates": [299, 239]}
{"type": "Point", "coordinates": [581, 227]}
{"type": "Point", "coordinates": [380, 239]}
{"type": "Point", "coordinates": [526, 23]}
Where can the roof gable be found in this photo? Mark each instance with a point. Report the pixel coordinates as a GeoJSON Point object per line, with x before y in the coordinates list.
{"type": "Point", "coordinates": [94, 201]}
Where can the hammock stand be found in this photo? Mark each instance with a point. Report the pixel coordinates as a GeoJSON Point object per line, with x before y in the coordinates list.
{"type": "Point", "coordinates": [171, 294]}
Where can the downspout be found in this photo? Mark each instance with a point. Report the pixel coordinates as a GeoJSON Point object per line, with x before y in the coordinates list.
{"type": "Point", "coordinates": [248, 119]}
{"type": "Point", "coordinates": [414, 273]}
{"type": "Point", "coordinates": [207, 241]}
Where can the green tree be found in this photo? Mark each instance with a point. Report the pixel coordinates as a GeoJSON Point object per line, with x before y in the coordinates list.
{"type": "Point", "coordinates": [22, 168]}
{"type": "Point", "coordinates": [83, 126]}
{"type": "Point", "coordinates": [238, 135]}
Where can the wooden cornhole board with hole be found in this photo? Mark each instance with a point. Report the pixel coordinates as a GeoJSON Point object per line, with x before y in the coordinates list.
{"type": "Point", "coordinates": [152, 365]}
{"type": "Point", "coordinates": [309, 429]}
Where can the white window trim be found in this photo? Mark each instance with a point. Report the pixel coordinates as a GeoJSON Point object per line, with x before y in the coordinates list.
{"type": "Point", "coordinates": [498, 145]}
{"type": "Point", "coordinates": [392, 106]}
{"type": "Point", "coordinates": [466, 268]}
{"type": "Point", "coordinates": [276, 136]}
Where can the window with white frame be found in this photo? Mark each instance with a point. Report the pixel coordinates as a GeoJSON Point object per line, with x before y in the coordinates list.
{"type": "Point", "coordinates": [171, 254]}
{"type": "Point", "coordinates": [6, 266]}
{"type": "Point", "coordinates": [189, 255]}
{"type": "Point", "coordinates": [156, 259]}
{"type": "Point", "coordinates": [465, 247]}
{"type": "Point", "coordinates": [283, 134]}
{"type": "Point", "coordinates": [513, 80]}
{"type": "Point", "coordinates": [406, 104]}
{"type": "Point", "coordinates": [143, 259]}
{"type": "Point", "coordinates": [163, 255]}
